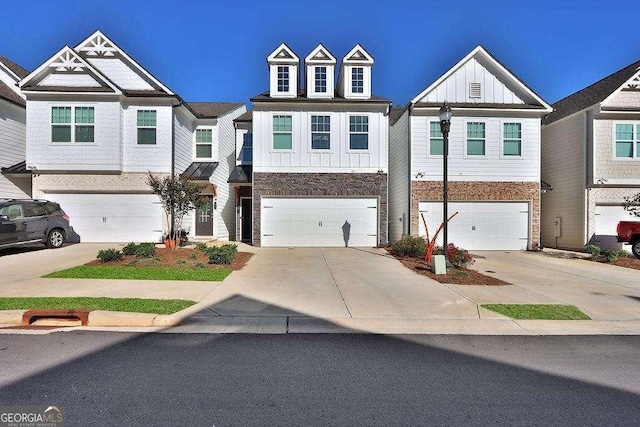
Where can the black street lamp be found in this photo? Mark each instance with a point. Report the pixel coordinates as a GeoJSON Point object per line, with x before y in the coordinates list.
{"type": "Point", "coordinates": [445, 123]}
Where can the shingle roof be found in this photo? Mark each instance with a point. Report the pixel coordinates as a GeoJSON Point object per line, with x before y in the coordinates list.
{"type": "Point", "coordinates": [66, 89]}
{"type": "Point", "coordinates": [592, 94]}
{"type": "Point", "coordinates": [245, 117]}
{"type": "Point", "coordinates": [18, 168]}
{"type": "Point", "coordinates": [302, 97]}
{"type": "Point", "coordinates": [203, 110]}
{"type": "Point", "coordinates": [199, 170]}
{"type": "Point", "coordinates": [15, 68]}
{"type": "Point", "coordinates": [395, 114]}
{"type": "Point", "coordinates": [241, 174]}
{"type": "Point", "coordinates": [489, 105]}
{"type": "Point", "coordinates": [9, 95]}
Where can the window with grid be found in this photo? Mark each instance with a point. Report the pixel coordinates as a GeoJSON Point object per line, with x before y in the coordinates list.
{"type": "Point", "coordinates": [320, 132]}
{"type": "Point", "coordinates": [204, 143]}
{"type": "Point", "coordinates": [359, 132]}
{"type": "Point", "coordinates": [72, 124]}
{"type": "Point", "coordinates": [436, 139]}
{"type": "Point", "coordinates": [357, 80]}
{"type": "Point", "coordinates": [146, 127]}
{"type": "Point", "coordinates": [247, 148]}
{"type": "Point", "coordinates": [283, 79]}
{"type": "Point", "coordinates": [321, 79]}
{"type": "Point", "coordinates": [627, 143]}
{"type": "Point", "coordinates": [476, 139]}
{"type": "Point", "coordinates": [512, 139]}
{"type": "Point", "coordinates": [282, 132]}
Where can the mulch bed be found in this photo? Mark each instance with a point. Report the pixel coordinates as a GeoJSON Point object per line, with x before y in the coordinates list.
{"type": "Point", "coordinates": [631, 262]}
{"type": "Point", "coordinates": [181, 257]}
{"type": "Point", "coordinates": [456, 276]}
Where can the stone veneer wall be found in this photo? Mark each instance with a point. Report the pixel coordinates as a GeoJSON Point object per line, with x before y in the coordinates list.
{"type": "Point", "coordinates": [321, 184]}
{"type": "Point", "coordinates": [460, 191]}
{"type": "Point", "coordinates": [87, 183]}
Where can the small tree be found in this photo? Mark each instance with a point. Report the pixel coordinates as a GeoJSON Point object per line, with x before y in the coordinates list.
{"type": "Point", "coordinates": [632, 205]}
{"type": "Point", "coordinates": [178, 197]}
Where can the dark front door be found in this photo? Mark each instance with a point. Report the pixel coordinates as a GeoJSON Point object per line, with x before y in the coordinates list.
{"type": "Point", "coordinates": [246, 219]}
{"type": "Point", "coordinates": [204, 221]}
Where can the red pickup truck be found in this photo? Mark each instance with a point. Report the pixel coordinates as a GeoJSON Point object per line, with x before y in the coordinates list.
{"type": "Point", "coordinates": [629, 233]}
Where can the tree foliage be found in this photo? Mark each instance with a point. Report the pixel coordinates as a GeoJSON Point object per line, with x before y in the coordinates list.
{"type": "Point", "coordinates": [632, 205]}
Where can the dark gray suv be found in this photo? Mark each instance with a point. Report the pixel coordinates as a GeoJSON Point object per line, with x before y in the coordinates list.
{"type": "Point", "coordinates": [32, 221]}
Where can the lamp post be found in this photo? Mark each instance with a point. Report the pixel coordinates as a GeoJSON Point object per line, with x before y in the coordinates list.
{"type": "Point", "coordinates": [445, 123]}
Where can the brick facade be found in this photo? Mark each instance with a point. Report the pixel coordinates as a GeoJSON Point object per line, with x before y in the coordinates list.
{"type": "Point", "coordinates": [460, 191]}
{"type": "Point", "coordinates": [87, 183]}
{"type": "Point", "coordinates": [321, 184]}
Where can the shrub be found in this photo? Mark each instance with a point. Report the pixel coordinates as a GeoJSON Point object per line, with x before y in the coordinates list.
{"type": "Point", "coordinates": [181, 262]}
{"type": "Point", "coordinates": [129, 249]}
{"type": "Point", "coordinates": [224, 254]}
{"type": "Point", "coordinates": [192, 256]}
{"type": "Point", "coordinates": [146, 250]}
{"type": "Point", "coordinates": [200, 265]}
{"type": "Point", "coordinates": [202, 247]}
{"type": "Point", "coordinates": [107, 255]}
{"type": "Point", "coordinates": [459, 257]}
{"type": "Point", "coordinates": [613, 255]}
{"type": "Point", "coordinates": [409, 246]}
{"type": "Point", "coordinates": [593, 250]}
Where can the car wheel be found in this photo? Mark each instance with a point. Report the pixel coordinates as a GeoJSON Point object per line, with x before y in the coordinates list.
{"type": "Point", "coordinates": [635, 248]}
{"type": "Point", "coordinates": [55, 239]}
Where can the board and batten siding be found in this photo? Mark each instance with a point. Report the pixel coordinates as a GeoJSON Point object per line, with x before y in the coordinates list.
{"type": "Point", "coordinates": [301, 158]}
{"type": "Point", "coordinates": [456, 87]}
{"type": "Point", "coordinates": [563, 167]}
{"type": "Point", "coordinates": [12, 147]}
{"type": "Point", "coordinates": [491, 167]}
{"type": "Point", "coordinates": [104, 154]}
{"type": "Point", "coordinates": [399, 178]}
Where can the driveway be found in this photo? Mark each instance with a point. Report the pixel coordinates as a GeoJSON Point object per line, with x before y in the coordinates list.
{"type": "Point", "coordinates": [604, 292]}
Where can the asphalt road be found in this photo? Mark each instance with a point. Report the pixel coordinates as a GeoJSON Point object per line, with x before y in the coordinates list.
{"type": "Point", "coordinates": [173, 379]}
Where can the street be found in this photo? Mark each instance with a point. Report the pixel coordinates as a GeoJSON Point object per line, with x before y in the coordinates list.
{"type": "Point", "coordinates": [108, 378]}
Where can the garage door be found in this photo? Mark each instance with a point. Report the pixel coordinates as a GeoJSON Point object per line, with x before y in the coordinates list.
{"type": "Point", "coordinates": [319, 222]}
{"type": "Point", "coordinates": [113, 217]}
{"type": "Point", "coordinates": [479, 225]}
{"type": "Point", "coordinates": [607, 218]}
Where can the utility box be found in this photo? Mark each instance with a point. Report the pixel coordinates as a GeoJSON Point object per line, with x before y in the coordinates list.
{"type": "Point", "coordinates": [438, 264]}
{"type": "Point", "coordinates": [557, 227]}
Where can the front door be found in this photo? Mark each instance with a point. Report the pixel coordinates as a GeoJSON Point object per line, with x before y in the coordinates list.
{"type": "Point", "coordinates": [246, 219]}
{"type": "Point", "coordinates": [204, 220]}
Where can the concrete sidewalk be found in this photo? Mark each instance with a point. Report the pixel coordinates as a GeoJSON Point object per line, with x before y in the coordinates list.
{"type": "Point", "coordinates": [340, 290]}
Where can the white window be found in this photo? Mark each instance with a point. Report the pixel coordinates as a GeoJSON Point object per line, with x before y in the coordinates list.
{"type": "Point", "coordinates": [476, 139]}
{"type": "Point", "coordinates": [357, 80]}
{"type": "Point", "coordinates": [72, 124]}
{"type": "Point", "coordinates": [512, 139]}
{"type": "Point", "coordinates": [436, 139]}
{"type": "Point", "coordinates": [146, 122]}
{"type": "Point", "coordinates": [320, 132]}
{"type": "Point", "coordinates": [321, 79]}
{"type": "Point", "coordinates": [627, 141]}
{"type": "Point", "coordinates": [283, 79]}
{"type": "Point", "coordinates": [282, 129]}
{"type": "Point", "coordinates": [204, 143]}
{"type": "Point", "coordinates": [358, 132]}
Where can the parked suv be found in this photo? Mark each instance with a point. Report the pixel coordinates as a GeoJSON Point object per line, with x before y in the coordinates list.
{"type": "Point", "coordinates": [32, 221]}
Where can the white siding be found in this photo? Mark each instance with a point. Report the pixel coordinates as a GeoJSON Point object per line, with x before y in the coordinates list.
{"type": "Point", "coordinates": [143, 158]}
{"type": "Point", "coordinates": [120, 73]}
{"type": "Point", "coordinates": [456, 87]}
{"type": "Point", "coordinates": [491, 167]}
{"type": "Point", "coordinates": [70, 80]}
{"type": "Point", "coordinates": [339, 159]}
{"type": "Point", "coordinates": [184, 128]}
{"type": "Point", "coordinates": [399, 178]}
{"type": "Point", "coordinates": [103, 154]}
{"type": "Point", "coordinates": [607, 166]}
{"type": "Point", "coordinates": [563, 166]}
{"type": "Point", "coordinates": [293, 81]}
{"type": "Point", "coordinates": [12, 147]}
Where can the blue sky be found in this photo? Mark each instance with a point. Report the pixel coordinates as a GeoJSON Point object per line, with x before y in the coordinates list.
{"type": "Point", "coordinates": [216, 50]}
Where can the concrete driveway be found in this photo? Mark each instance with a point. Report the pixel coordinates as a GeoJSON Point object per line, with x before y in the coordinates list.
{"type": "Point", "coordinates": [604, 292]}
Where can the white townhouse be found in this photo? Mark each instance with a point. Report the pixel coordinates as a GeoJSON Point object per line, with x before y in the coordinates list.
{"type": "Point", "coordinates": [15, 181]}
{"type": "Point", "coordinates": [98, 123]}
{"type": "Point", "coordinates": [591, 157]}
{"type": "Point", "coordinates": [493, 162]}
{"type": "Point", "coordinates": [319, 155]}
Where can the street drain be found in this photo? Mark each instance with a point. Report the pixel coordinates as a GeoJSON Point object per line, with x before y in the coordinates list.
{"type": "Point", "coordinates": [60, 318]}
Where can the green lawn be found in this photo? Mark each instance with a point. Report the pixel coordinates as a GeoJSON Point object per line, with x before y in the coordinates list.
{"type": "Point", "coordinates": [141, 273]}
{"type": "Point", "coordinates": [135, 305]}
{"type": "Point", "coordinates": [538, 311]}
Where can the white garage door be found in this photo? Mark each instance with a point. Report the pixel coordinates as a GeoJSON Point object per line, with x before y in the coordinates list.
{"type": "Point", "coordinates": [319, 222]}
{"type": "Point", "coordinates": [479, 225]}
{"type": "Point", "coordinates": [607, 218]}
{"type": "Point", "coordinates": [113, 217]}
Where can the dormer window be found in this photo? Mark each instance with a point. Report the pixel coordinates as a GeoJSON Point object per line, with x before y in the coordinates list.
{"type": "Point", "coordinates": [321, 79]}
{"type": "Point", "coordinates": [357, 80]}
{"type": "Point", "coordinates": [283, 79]}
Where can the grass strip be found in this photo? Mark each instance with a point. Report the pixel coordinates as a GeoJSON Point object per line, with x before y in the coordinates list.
{"type": "Point", "coordinates": [141, 273]}
{"type": "Point", "coordinates": [538, 311]}
{"type": "Point", "coordinates": [135, 305]}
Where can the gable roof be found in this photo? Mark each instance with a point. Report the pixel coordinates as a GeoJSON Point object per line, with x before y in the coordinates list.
{"type": "Point", "coordinates": [320, 55]}
{"type": "Point", "coordinates": [246, 117]}
{"type": "Point", "coordinates": [206, 110]}
{"type": "Point", "coordinates": [20, 72]}
{"type": "Point", "coordinates": [358, 54]}
{"type": "Point", "coordinates": [396, 113]}
{"type": "Point", "coordinates": [481, 51]}
{"type": "Point", "coordinates": [591, 95]}
{"type": "Point", "coordinates": [10, 95]}
{"type": "Point", "coordinates": [283, 54]}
